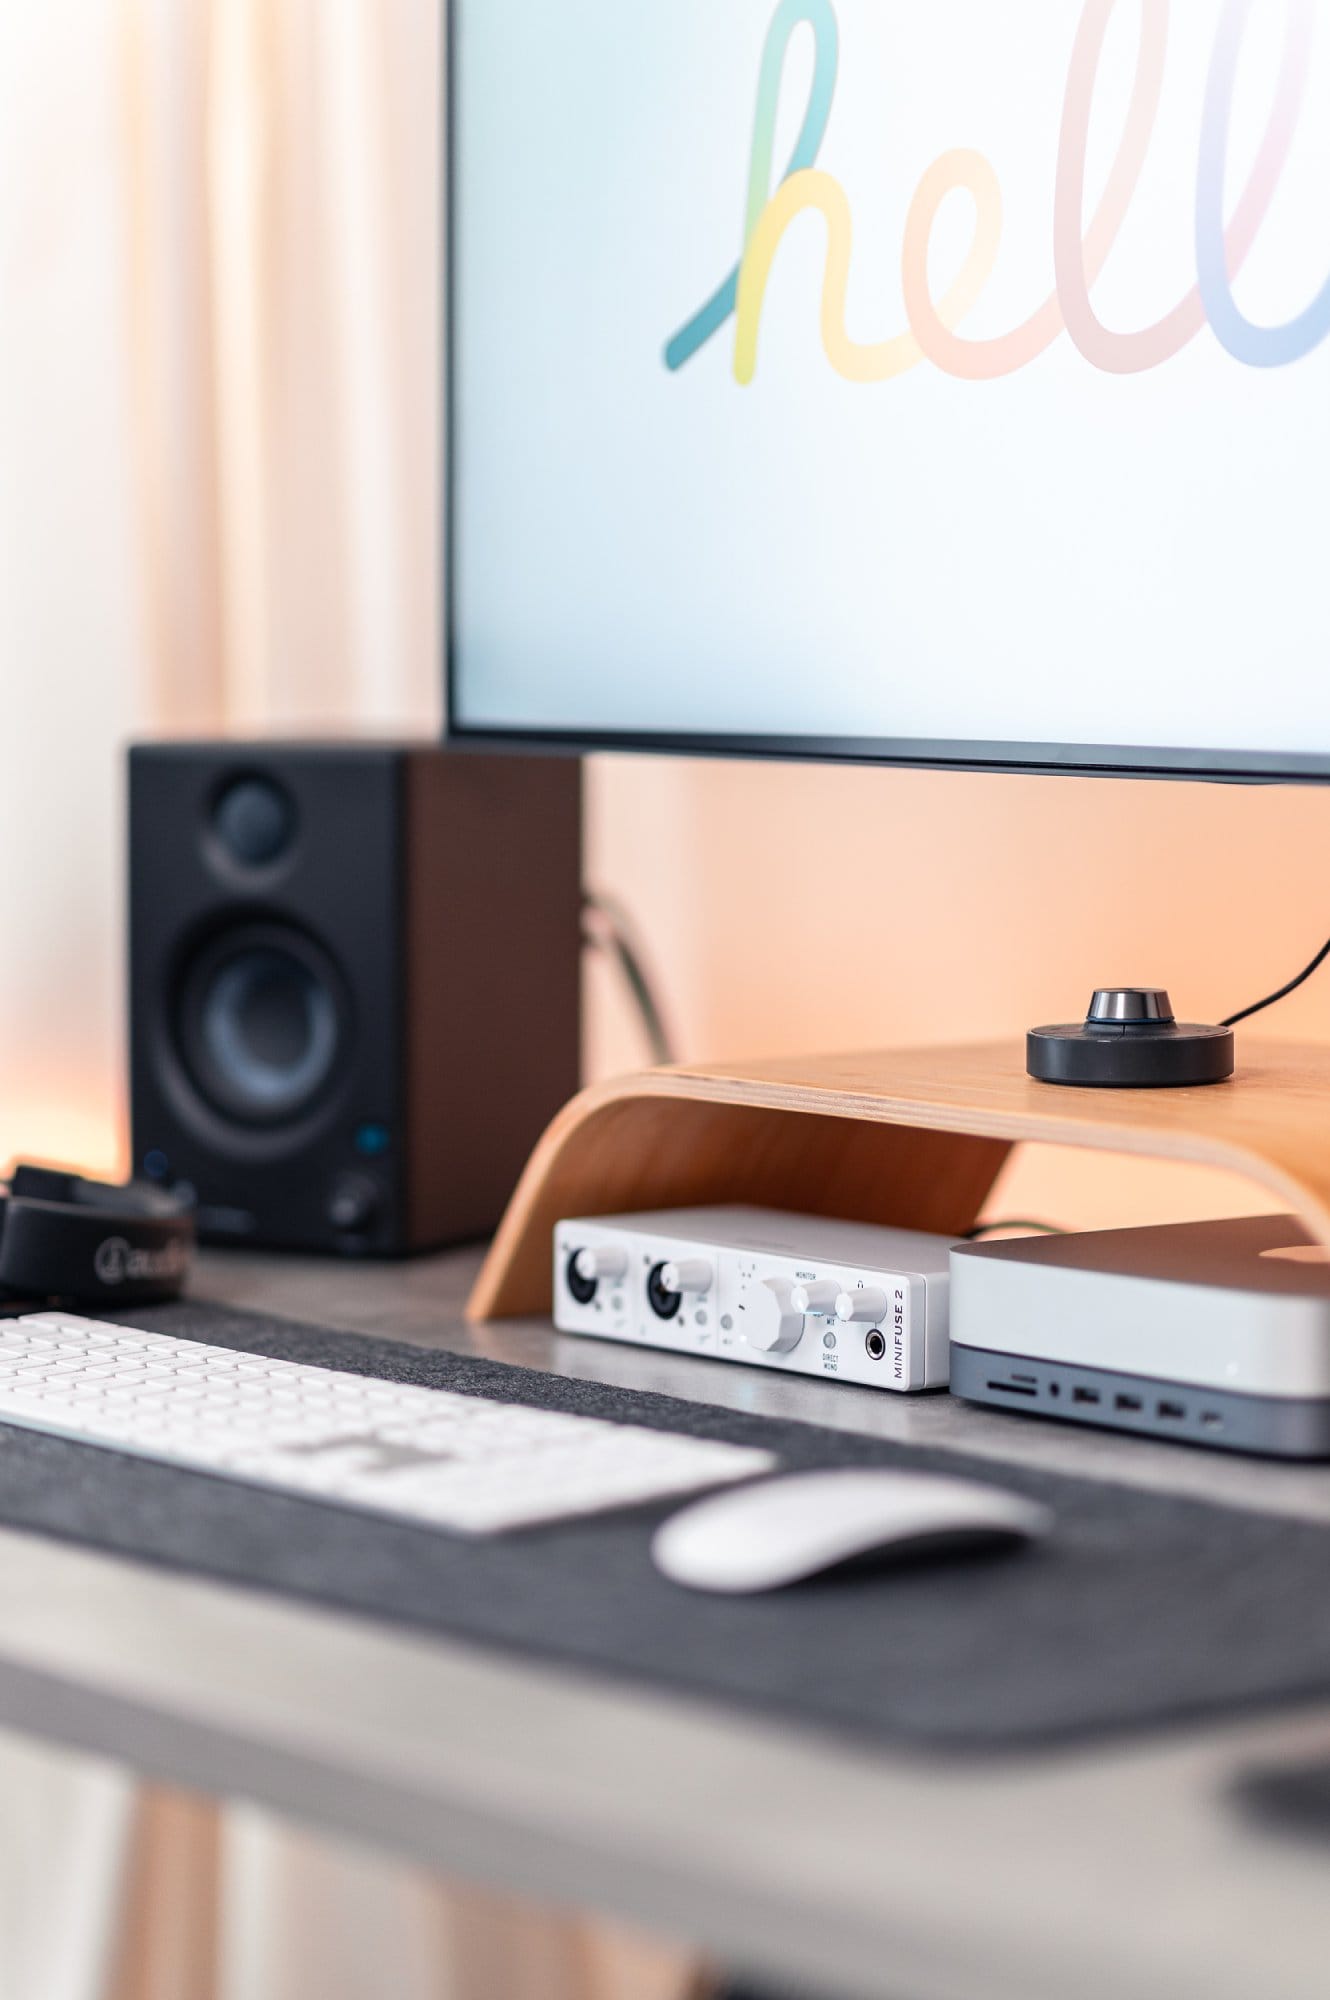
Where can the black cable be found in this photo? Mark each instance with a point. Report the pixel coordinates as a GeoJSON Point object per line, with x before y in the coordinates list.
{"type": "Point", "coordinates": [610, 929]}
{"type": "Point", "coordinates": [1259, 1006]}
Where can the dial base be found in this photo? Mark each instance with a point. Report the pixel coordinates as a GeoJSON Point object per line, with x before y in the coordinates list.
{"type": "Point", "coordinates": [1169, 1056]}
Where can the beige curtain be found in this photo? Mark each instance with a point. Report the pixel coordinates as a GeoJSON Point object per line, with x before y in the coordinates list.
{"type": "Point", "coordinates": [281, 232]}
{"type": "Point", "coordinates": [218, 421]}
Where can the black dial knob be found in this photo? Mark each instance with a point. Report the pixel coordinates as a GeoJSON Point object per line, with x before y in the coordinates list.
{"type": "Point", "coordinates": [1130, 1040]}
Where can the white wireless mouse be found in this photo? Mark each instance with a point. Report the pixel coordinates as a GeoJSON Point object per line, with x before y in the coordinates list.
{"type": "Point", "coordinates": [779, 1531]}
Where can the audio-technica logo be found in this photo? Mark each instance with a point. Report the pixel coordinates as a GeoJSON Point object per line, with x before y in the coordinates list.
{"type": "Point", "coordinates": [1081, 247]}
{"type": "Point", "coordinates": [117, 1262]}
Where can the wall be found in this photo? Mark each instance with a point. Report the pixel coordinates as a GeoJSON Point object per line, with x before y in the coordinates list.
{"type": "Point", "coordinates": [803, 907]}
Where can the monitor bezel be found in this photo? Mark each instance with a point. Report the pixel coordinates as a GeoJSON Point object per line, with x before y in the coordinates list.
{"type": "Point", "coordinates": [908, 753]}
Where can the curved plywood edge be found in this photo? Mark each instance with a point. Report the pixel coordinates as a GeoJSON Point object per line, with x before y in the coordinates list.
{"type": "Point", "coordinates": [667, 1139]}
{"type": "Point", "coordinates": [913, 1137]}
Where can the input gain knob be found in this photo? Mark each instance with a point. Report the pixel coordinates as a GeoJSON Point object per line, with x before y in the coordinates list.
{"type": "Point", "coordinates": [688, 1274]}
{"type": "Point", "coordinates": [594, 1264]}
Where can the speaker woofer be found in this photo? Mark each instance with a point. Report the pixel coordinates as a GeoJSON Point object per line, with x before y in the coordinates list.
{"type": "Point", "coordinates": [263, 1027]}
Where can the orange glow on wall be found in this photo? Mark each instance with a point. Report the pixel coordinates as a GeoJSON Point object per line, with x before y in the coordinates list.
{"type": "Point", "coordinates": [70, 1124]}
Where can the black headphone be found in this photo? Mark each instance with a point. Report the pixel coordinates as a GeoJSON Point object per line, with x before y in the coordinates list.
{"type": "Point", "coordinates": [62, 1237]}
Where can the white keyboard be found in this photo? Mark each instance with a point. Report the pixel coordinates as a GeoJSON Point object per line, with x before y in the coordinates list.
{"type": "Point", "coordinates": [427, 1455]}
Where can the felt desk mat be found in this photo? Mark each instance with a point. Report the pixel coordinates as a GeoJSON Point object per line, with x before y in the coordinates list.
{"type": "Point", "coordinates": [1141, 1609]}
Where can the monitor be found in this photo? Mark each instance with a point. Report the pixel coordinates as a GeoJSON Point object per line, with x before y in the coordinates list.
{"type": "Point", "coordinates": [925, 381]}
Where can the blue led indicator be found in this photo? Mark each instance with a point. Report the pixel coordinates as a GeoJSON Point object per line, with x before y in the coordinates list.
{"type": "Point", "coordinates": [371, 1140]}
{"type": "Point", "coordinates": [156, 1165]}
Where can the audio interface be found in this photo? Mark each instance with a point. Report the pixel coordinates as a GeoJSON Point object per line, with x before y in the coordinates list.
{"type": "Point", "coordinates": [850, 1301]}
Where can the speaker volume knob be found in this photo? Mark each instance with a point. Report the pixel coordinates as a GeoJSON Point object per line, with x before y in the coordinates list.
{"type": "Point", "coordinates": [353, 1203]}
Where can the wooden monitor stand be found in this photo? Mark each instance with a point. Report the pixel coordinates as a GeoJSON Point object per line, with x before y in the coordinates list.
{"type": "Point", "coordinates": [914, 1137]}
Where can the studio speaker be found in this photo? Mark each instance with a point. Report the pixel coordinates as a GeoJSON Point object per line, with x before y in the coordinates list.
{"type": "Point", "coordinates": [354, 984]}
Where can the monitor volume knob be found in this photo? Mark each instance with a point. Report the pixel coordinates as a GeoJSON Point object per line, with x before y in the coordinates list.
{"type": "Point", "coordinates": [595, 1264]}
{"type": "Point", "coordinates": [688, 1274]}
{"type": "Point", "coordinates": [819, 1295]}
{"type": "Point", "coordinates": [771, 1322]}
{"type": "Point", "coordinates": [864, 1306]}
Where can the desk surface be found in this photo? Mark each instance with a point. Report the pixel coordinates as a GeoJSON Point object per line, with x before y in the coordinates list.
{"type": "Point", "coordinates": [1108, 1872]}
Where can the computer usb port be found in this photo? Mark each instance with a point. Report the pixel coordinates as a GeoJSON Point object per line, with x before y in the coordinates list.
{"type": "Point", "coordinates": [1175, 1412]}
{"type": "Point", "coordinates": [1126, 1402]}
{"type": "Point", "coordinates": [1013, 1389]}
{"type": "Point", "coordinates": [1079, 1395]}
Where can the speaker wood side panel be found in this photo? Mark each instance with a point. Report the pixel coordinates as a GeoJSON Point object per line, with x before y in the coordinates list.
{"type": "Point", "coordinates": [492, 1025]}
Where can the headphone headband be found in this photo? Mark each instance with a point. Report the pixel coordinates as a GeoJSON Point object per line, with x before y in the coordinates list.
{"type": "Point", "coordinates": [63, 1237]}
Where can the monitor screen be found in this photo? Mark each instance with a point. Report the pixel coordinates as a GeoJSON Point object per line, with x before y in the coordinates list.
{"type": "Point", "coordinates": [924, 380]}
